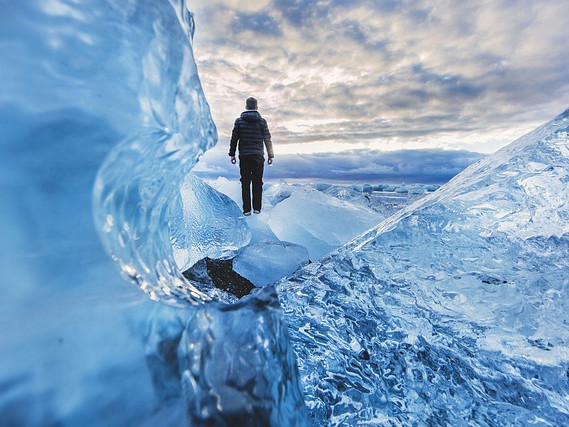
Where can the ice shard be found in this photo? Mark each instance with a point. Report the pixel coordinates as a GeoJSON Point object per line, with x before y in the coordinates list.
{"type": "Point", "coordinates": [207, 224]}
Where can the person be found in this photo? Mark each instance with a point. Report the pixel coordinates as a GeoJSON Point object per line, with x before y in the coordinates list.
{"type": "Point", "coordinates": [250, 132]}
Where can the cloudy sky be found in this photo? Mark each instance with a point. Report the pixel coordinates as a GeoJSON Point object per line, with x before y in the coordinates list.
{"type": "Point", "coordinates": [350, 85]}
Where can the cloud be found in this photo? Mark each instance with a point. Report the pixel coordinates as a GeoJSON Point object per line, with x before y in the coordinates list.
{"type": "Point", "coordinates": [396, 73]}
{"type": "Point", "coordinates": [259, 23]}
{"type": "Point", "coordinates": [373, 166]}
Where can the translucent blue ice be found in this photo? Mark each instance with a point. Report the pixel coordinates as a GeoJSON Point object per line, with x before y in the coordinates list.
{"type": "Point", "coordinates": [453, 311]}
{"type": "Point", "coordinates": [207, 223]}
{"type": "Point", "coordinates": [268, 261]}
{"type": "Point", "coordinates": [102, 117]}
{"type": "Point", "coordinates": [319, 222]}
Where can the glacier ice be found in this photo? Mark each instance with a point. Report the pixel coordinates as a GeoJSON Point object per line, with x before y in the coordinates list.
{"type": "Point", "coordinates": [452, 311]}
{"type": "Point", "coordinates": [237, 366]}
{"type": "Point", "coordinates": [207, 224]}
{"type": "Point", "coordinates": [267, 261]}
{"type": "Point", "coordinates": [319, 222]}
{"type": "Point", "coordinates": [102, 116]}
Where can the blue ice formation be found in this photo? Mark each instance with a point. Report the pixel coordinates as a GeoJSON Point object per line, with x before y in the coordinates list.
{"type": "Point", "coordinates": [268, 261]}
{"type": "Point", "coordinates": [453, 311]}
{"type": "Point", "coordinates": [207, 223]}
{"type": "Point", "coordinates": [318, 221]}
{"type": "Point", "coordinates": [238, 367]}
{"type": "Point", "coordinates": [102, 117]}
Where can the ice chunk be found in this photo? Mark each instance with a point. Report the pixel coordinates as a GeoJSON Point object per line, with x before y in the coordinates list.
{"type": "Point", "coordinates": [238, 368]}
{"type": "Point", "coordinates": [231, 188]}
{"type": "Point", "coordinates": [402, 188]}
{"type": "Point", "coordinates": [348, 194]}
{"type": "Point", "coordinates": [384, 187]}
{"type": "Point", "coordinates": [258, 224]}
{"type": "Point", "coordinates": [321, 186]}
{"type": "Point", "coordinates": [277, 192]}
{"type": "Point", "coordinates": [319, 222]}
{"type": "Point", "coordinates": [467, 288]}
{"type": "Point", "coordinates": [267, 261]}
{"type": "Point", "coordinates": [208, 225]}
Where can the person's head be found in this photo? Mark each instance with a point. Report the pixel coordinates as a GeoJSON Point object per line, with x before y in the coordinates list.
{"type": "Point", "coordinates": [251, 103]}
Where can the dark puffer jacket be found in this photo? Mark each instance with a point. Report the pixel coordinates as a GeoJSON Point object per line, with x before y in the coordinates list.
{"type": "Point", "coordinates": [251, 130]}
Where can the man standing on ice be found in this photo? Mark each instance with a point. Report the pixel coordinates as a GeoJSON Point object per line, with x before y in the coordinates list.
{"type": "Point", "coordinates": [251, 131]}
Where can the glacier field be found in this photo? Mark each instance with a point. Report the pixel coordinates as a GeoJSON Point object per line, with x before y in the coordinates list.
{"type": "Point", "coordinates": [416, 307]}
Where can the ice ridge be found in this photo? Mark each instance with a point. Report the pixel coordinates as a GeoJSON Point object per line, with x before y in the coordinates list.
{"type": "Point", "coordinates": [452, 311]}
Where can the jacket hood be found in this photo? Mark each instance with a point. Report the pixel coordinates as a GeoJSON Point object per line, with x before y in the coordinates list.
{"type": "Point", "coordinates": [251, 116]}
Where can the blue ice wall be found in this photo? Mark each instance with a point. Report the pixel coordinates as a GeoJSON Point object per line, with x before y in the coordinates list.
{"type": "Point", "coordinates": [71, 79]}
{"type": "Point", "coordinates": [101, 117]}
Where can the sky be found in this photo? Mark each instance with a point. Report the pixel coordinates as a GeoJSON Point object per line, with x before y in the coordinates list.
{"type": "Point", "coordinates": [351, 87]}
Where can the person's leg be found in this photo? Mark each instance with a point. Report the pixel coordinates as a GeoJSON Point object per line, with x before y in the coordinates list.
{"type": "Point", "coordinates": [245, 171]}
{"type": "Point", "coordinates": [258, 166]}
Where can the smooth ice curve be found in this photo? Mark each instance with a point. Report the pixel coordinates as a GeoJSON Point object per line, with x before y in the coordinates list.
{"type": "Point", "coordinates": [138, 192]}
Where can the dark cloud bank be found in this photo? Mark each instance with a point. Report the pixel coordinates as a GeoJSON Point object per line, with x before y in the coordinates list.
{"type": "Point", "coordinates": [411, 166]}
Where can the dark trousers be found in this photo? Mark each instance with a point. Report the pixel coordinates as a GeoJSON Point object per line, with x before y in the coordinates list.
{"type": "Point", "coordinates": [251, 169]}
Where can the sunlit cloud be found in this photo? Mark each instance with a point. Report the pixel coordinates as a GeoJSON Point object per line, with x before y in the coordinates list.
{"type": "Point", "coordinates": [336, 75]}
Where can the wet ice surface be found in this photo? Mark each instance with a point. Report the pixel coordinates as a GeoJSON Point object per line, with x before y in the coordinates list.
{"type": "Point", "coordinates": [267, 261]}
{"type": "Point", "coordinates": [452, 311]}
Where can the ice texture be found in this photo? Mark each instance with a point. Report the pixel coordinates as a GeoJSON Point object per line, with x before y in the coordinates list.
{"type": "Point", "coordinates": [238, 368]}
{"type": "Point", "coordinates": [207, 224]}
{"type": "Point", "coordinates": [267, 261]}
{"type": "Point", "coordinates": [319, 222]}
{"type": "Point", "coordinates": [136, 190]}
{"type": "Point", "coordinates": [453, 311]}
{"type": "Point", "coordinates": [102, 116]}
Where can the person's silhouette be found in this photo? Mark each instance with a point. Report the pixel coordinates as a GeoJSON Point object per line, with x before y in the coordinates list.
{"type": "Point", "coordinates": [251, 135]}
